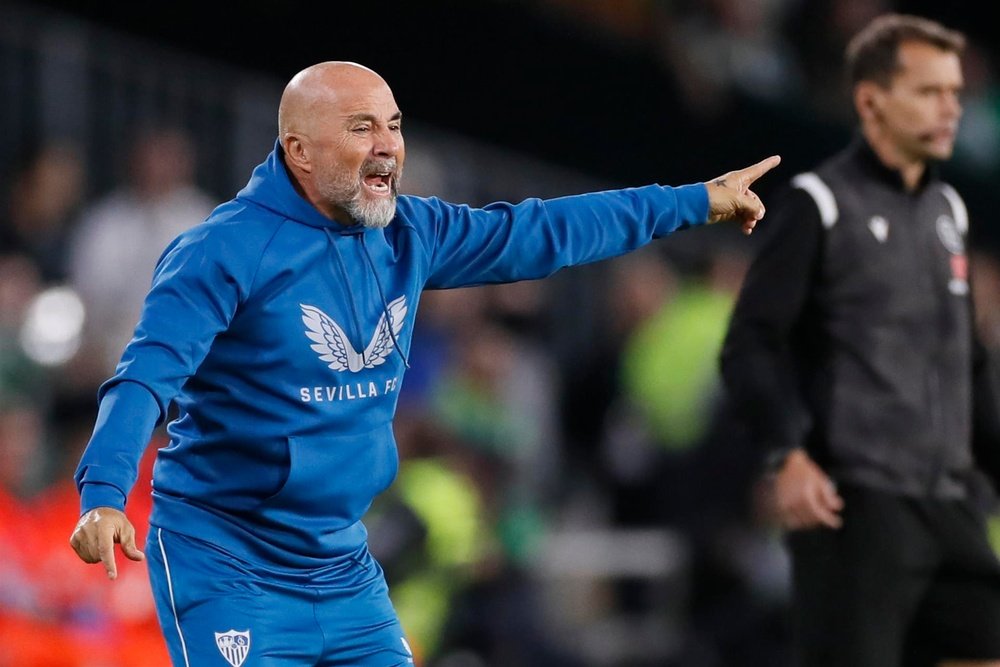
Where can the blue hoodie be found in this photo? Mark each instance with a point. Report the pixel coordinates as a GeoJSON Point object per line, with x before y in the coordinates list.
{"type": "Point", "coordinates": [282, 337]}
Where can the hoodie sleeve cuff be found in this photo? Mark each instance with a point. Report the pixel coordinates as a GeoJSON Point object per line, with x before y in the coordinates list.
{"type": "Point", "coordinates": [94, 495]}
{"type": "Point", "coordinates": [109, 466]}
{"type": "Point", "coordinates": [692, 204]}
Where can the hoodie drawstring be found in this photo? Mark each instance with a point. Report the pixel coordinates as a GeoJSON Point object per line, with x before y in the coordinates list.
{"type": "Point", "coordinates": [385, 306]}
{"type": "Point", "coordinates": [350, 294]}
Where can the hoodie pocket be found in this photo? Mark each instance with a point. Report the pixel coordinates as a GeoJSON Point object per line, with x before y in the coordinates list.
{"type": "Point", "coordinates": [334, 479]}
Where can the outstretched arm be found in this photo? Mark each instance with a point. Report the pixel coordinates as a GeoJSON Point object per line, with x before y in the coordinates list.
{"type": "Point", "coordinates": [505, 242]}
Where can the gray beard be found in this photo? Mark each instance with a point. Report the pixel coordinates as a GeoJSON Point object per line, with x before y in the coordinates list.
{"type": "Point", "coordinates": [374, 214]}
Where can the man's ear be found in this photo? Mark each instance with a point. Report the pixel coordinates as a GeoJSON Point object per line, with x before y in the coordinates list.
{"type": "Point", "coordinates": [867, 101]}
{"type": "Point", "coordinates": [296, 153]}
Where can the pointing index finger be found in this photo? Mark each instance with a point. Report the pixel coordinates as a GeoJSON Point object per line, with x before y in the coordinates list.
{"type": "Point", "coordinates": [106, 550]}
{"type": "Point", "coordinates": [750, 174]}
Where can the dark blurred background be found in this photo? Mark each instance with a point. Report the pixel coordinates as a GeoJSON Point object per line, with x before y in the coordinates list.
{"type": "Point", "coordinates": [573, 490]}
{"type": "Point", "coordinates": [628, 91]}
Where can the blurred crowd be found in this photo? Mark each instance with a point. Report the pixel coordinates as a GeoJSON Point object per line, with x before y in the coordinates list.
{"type": "Point", "coordinates": [572, 489]}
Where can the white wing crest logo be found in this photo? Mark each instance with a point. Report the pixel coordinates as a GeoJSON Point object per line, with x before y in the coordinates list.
{"type": "Point", "coordinates": [333, 346]}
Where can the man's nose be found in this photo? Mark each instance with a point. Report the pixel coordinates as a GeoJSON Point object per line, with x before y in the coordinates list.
{"type": "Point", "coordinates": [387, 142]}
{"type": "Point", "coordinates": [953, 106]}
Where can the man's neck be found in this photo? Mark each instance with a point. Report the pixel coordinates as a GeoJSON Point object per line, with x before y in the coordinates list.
{"type": "Point", "coordinates": [911, 170]}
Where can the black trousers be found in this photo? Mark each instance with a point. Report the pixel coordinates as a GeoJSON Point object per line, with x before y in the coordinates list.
{"type": "Point", "coordinates": [906, 582]}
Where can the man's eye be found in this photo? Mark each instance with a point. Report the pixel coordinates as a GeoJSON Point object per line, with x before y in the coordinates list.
{"type": "Point", "coordinates": [361, 129]}
{"type": "Point", "coordinates": [395, 128]}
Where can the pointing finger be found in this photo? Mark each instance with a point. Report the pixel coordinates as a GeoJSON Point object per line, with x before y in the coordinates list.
{"type": "Point", "coordinates": [106, 550]}
{"type": "Point", "coordinates": [748, 175]}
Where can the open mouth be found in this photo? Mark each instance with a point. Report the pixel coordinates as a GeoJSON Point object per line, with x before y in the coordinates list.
{"type": "Point", "coordinates": [942, 134]}
{"type": "Point", "coordinates": [380, 183]}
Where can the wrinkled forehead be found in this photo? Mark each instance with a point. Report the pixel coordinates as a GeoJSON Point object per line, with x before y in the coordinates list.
{"type": "Point", "coordinates": [327, 94]}
{"type": "Point", "coordinates": [353, 86]}
{"type": "Point", "coordinates": [356, 97]}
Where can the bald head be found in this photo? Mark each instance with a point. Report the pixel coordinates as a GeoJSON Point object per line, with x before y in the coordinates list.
{"type": "Point", "coordinates": [341, 134]}
{"type": "Point", "coordinates": [312, 92]}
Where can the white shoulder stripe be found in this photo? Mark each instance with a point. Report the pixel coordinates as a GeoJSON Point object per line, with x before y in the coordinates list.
{"type": "Point", "coordinates": [958, 210]}
{"type": "Point", "coordinates": [821, 194]}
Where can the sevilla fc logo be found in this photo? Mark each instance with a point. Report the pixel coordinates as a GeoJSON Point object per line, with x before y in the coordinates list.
{"type": "Point", "coordinates": [332, 345]}
{"type": "Point", "coordinates": [234, 646]}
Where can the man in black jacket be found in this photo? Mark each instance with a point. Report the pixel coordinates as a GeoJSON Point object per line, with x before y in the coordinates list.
{"type": "Point", "coordinates": [852, 348]}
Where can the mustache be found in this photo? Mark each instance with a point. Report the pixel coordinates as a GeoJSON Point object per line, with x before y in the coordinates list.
{"type": "Point", "coordinates": [378, 166]}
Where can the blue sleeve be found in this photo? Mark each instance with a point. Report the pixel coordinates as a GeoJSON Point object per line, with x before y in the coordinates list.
{"type": "Point", "coordinates": [110, 464]}
{"type": "Point", "coordinates": [193, 298]}
{"type": "Point", "coordinates": [196, 289]}
{"type": "Point", "coordinates": [509, 242]}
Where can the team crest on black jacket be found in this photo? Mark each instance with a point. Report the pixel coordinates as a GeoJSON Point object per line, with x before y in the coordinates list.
{"type": "Point", "coordinates": [880, 228]}
{"type": "Point", "coordinates": [951, 239]}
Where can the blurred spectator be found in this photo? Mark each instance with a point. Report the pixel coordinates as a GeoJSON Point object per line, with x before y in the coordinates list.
{"type": "Point", "coordinates": [46, 193]}
{"type": "Point", "coordinates": [480, 371]}
{"type": "Point", "coordinates": [21, 380]}
{"type": "Point", "coordinates": [429, 531]}
{"type": "Point", "coordinates": [676, 460]}
{"type": "Point", "coordinates": [675, 386]}
{"type": "Point", "coordinates": [121, 236]}
{"type": "Point", "coordinates": [444, 318]}
{"type": "Point", "coordinates": [46, 618]}
{"type": "Point", "coordinates": [22, 449]}
{"type": "Point", "coordinates": [670, 409]}
{"type": "Point", "coordinates": [978, 141]}
{"type": "Point", "coordinates": [717, 48]}
{"type": "Point", "coordinates": [477, 425]}
{"type": "Point", "coordinates": [984, 268]}
{"type": "Point", "coordinates": [818, 31]}
{"type": "Point", "coordinates": [495, 397]}
{"type": "Point", "coordinates": [617, 453]}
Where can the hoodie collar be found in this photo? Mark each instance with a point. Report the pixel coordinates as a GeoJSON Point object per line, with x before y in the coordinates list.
{"type": "Point", "coordinates": [270, 187]}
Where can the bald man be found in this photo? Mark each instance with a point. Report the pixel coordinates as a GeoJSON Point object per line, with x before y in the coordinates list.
{"type": "Point", "coordinates": [280, 329]}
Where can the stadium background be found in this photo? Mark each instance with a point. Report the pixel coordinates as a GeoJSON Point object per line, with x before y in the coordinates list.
{"type": "Point", "coordinates": [573, 491]}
